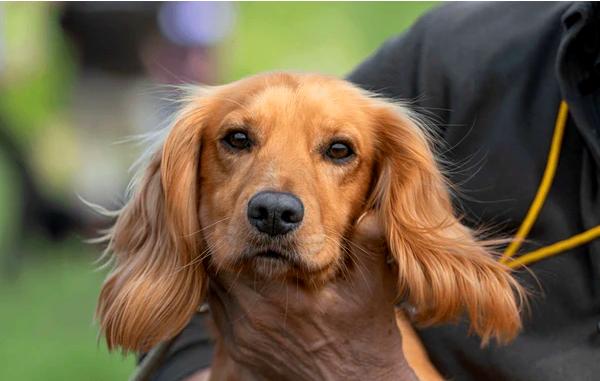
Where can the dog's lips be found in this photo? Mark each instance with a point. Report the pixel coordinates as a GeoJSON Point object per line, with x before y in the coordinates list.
{"type": "Point", "coordinates": [281, 257]}
{"type": "Point", "coordinates": [271, 254]}
{"type": "Point", "coordinates": [269, 261]}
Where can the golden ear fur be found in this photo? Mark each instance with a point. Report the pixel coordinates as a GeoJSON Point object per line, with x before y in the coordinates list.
{"type": "Point", "coordinates": [158, 280]}
{"type": "Point", "coordinates": [443, 270]}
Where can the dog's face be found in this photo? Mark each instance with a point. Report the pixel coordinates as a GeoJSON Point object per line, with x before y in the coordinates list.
{"type": "Point", "coordinates": [268, 176]}
{"type": "Point", "coordinates": [285, 167]}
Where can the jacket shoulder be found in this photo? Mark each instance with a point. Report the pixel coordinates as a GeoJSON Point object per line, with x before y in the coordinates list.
{"type": "Point", "coordinates": [476, 22]}
{"type": "Point", "coordinates": [462, 45]}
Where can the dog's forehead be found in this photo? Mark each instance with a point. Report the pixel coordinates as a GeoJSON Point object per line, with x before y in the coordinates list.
{"type": "Point", "coordinates": [300, 100]}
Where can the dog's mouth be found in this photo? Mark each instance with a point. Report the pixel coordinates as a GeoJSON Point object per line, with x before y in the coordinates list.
{"type": "Point", "coordinates": [271, 262]}
{"type": "Point", "coordinates": [283, 261]}
{"type": "Point", "coordinates": [272, 255]}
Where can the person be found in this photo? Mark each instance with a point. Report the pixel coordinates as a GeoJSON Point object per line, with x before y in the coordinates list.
{"type": "Point", "coordinates": [493, 77]}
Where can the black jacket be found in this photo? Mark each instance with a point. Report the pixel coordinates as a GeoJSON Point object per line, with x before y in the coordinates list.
{"type": "Point", "coordinates": [492, 76]}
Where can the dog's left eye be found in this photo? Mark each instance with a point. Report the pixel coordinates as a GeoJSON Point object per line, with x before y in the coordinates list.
{"type": "Point", "coordinates": [339, 152]}
{"type": "Point", "coordinates": [237, 140]}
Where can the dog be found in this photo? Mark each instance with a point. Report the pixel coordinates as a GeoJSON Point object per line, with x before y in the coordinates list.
{"type": "Point", "coordinates": [268, 175]}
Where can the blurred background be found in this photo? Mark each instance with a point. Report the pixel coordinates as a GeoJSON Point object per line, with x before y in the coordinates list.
{"type": "Point", "coordinates": [76, 81]}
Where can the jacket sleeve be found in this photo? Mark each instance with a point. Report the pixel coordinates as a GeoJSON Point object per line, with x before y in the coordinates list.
{"type": "Point", "coordinates": [189, 352]}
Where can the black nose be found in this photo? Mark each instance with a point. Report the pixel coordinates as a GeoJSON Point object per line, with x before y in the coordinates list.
{"type": "Point", "coordinates": [275, 213]}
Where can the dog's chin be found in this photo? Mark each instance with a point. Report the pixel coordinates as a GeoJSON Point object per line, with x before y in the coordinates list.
{"type": "Point", "coordinates": [283, 264]}
{"type": "Point", "coordinates": [272, 263]}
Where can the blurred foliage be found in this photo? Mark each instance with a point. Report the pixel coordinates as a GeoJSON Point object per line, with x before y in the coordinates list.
{"type": "Point", "coordinates": [39, 69]}
{"type": "Point", "coordinates": [35, 82]}
{"type": "Point", "coordinates": [10, 204]}
{"type": "Point", "coordinates": [46, 318]}
{"type": "Point", "coordinates": [46, 311]}
{"type": "Point", "coordinates": [327, 37]}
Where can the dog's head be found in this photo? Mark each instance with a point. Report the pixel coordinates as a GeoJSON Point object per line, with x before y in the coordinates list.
{"type": "Point", "coordinates": [268, 176]}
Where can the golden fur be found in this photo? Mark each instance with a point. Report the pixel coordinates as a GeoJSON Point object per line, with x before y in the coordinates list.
{"type": "Point", "coordinates": [187, 217]}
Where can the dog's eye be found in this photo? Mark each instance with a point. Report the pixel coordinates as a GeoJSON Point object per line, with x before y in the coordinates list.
{"type": "Point", "coordinates": [237, 140]}
{"type": "Point", "coordinates": [339, 152]}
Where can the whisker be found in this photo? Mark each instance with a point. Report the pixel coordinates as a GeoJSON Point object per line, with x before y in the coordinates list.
{"type": "Point", "coordinates": [206, 227]}
{"type": "Point", "coordinates": [347, 242]}
{"type": "Point", "coordinates": [234, 281]}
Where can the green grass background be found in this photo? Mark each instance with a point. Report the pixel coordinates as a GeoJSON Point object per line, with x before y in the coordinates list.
{"type": "Point", "coordinates": [46, 327]}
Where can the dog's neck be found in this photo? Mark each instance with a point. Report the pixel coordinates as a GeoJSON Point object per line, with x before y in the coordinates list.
{"type": "Point", "coordinates": [224, 368]}
{"type": "Point", "coordinates": [419, 367]}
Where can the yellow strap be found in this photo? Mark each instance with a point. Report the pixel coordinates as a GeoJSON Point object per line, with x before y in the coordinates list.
{"type": "Point", "coordinates": [538, 202]}
{"type": "Point", "coordinates": [545, 184]}
{"type": "Point", "coordinates": [555, 248]}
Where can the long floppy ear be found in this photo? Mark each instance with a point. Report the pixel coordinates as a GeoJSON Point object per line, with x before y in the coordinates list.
{"type": "Point", "coordinates": [157, 281]}
{"type": "Point", "coordinates": [444, 271]}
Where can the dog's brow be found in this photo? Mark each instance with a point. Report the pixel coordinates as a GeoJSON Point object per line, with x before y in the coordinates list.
{"type": "Point", "coordinates": [231, 100]}
{"type": "Point", "coordinates": [333, 130]}
{"type": "Point", "coordinates": [237, 119]}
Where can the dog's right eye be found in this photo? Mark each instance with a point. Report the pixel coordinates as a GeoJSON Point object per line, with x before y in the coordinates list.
{"type": "Point", "coordinates": [238, 140]}
{"type": "Point", "coordinates": [339, 152]}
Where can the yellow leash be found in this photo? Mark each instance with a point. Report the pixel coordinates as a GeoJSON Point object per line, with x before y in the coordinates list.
{"type": "Point", "coordinates": [538, 203]}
